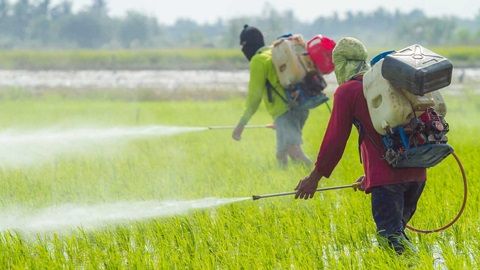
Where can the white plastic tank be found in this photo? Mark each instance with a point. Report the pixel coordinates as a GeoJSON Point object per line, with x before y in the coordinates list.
{"type": "Point", "coordinates": [290, 60]}
{"type": "Point", "coordinates": [388, 108]}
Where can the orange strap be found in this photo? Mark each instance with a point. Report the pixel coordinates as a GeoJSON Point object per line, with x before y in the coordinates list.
{"type": "Point", "coordinates": [462, 208]}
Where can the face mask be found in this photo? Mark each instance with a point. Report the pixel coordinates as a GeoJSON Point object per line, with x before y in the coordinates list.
{"type": "Point", "coordinates": [249, 50]}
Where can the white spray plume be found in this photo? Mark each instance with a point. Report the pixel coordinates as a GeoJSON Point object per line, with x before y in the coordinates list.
{"type": "Point", "coordinates": [20, 148]}
{"type": "Point", "coordinates": [67, 217]}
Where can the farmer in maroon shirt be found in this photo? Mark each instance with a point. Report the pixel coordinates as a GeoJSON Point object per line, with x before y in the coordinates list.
{"type": "Point", "coordinates": [395, 192]}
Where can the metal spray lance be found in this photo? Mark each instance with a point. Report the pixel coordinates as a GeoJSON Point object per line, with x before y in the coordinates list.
{"type": "Point", "coordinates": [355, 186]}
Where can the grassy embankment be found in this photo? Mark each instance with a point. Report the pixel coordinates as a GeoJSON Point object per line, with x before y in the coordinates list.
{"type": "Point", "coordinates": [334, 230]}
{"type": "Point", "coordinates": [167, 58]}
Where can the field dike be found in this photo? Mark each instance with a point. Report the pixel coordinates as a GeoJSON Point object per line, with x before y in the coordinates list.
{"type": "Point", "coordinates": [23, 148]}
{"type": "Point", "coordinates": [64, 218]}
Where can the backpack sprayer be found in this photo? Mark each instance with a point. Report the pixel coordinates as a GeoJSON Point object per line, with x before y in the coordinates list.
{"type": "Point", "coordinates": [300, 67]}
{"type": "Point", "coordinates": [408, 112]}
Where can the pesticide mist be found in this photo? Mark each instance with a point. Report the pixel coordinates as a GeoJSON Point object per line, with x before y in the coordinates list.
{"type": "Point", "coordinates": [70, 216]}
{"type": "Point", "coordinates": [20, 147]}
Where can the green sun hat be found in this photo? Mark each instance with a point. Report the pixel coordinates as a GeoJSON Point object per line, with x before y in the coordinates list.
{"type": "Point", "coordinates": [350, 59]}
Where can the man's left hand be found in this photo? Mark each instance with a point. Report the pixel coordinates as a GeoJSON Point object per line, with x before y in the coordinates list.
{"type": "Point", "coordinates": [307, 187]}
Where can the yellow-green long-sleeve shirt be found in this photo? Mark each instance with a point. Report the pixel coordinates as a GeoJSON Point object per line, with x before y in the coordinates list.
{"type": "Point", "coordinates": [261, 70]}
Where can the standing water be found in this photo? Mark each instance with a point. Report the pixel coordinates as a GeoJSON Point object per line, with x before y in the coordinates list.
{"type": "Point", "coordinates": [70, 216]}
{"type": "Point", "coordinates": [161, 80]}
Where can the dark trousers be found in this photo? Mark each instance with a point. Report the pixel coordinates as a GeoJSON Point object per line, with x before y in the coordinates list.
{"type": "Point", "coordinates": [394, 205]}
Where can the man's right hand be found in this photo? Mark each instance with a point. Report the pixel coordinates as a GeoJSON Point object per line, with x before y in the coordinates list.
{"type": "Point", "coordinates": [360, 185]}
{"type": "Point", "coordinates": [272, 126]}
{"type": "Point", "coordinates": [237, 132]}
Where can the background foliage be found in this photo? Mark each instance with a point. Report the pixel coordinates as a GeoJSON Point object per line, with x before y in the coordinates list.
{"type": "Point", "coordinates": [41, 24]}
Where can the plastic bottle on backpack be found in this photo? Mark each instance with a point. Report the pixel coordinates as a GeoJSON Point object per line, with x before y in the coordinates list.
{"type": "Point", "coordinates": [290, 60]}
{"type": "Point", "coordinates": [320, 49]}
{"type": "Point", "coordinates": [417, 70]}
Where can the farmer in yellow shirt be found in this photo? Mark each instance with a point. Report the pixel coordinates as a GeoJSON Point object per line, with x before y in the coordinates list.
{"type": "Point", "coordinates": [264, 84]}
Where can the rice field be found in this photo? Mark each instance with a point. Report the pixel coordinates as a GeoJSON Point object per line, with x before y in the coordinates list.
{"type": "Point", "coordinates": [153, 200]}
{"type": "Point", "coordinates": [123, 59]}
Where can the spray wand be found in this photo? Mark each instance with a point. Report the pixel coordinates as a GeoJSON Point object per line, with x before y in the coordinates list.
{"type": "Point", "coordinates": [272, 126]}
{"type": "Point", "coordinates": [355, 186]}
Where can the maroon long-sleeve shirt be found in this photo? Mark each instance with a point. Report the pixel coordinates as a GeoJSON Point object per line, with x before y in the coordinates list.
{"type": "Point", "coordinates": [350, 104]}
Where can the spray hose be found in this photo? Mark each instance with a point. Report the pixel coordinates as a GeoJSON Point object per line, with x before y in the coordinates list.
{"type": "Point", "coordinates": [462, 208]}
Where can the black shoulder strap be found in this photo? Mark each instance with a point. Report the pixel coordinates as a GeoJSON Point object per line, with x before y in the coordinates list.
{"type": "Point", "coordinates": [358, 124]}
{"type": "Point", "coordinates": [357, 78]}
{"type": "Point", "coordinates": [361, 130]}
{"type": "Point", "coordinates": [270, 88]}
{"type": "Point", "coordinates": [361, 134]}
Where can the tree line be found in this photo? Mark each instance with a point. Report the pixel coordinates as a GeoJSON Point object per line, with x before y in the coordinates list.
{"type": "Point", "coordinates": [39, 24]}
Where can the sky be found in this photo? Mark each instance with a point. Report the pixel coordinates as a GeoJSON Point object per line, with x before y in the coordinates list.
{"type": "Point", "coordinates": [167, 11]}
